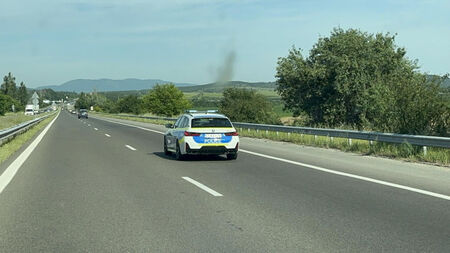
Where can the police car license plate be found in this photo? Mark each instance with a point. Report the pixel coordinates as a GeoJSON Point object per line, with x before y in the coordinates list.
{"type": "Point", "coordinates": [213, 136]}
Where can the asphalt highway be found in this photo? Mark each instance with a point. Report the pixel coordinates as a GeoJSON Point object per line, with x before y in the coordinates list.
{"type": "Point", "coordinates": [93, 185]}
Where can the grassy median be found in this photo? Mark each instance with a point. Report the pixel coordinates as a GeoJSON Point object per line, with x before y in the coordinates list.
{"type": "Point", "coordinates": [15, 144]}
{"type": "Point", "coordinates": [408, 152]}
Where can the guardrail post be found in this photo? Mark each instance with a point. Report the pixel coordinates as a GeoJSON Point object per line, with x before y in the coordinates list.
{"type": "Point", "coordinates": [349, 141]}
{"type": "Point", "coordinates": [332, 138]}
{"type": "Point", "coordinates": [248, 129]}
{"type": "Point", "coordinates": [289, 134]}
{"type": "Point", "coordinates": [424, 150]}
{"type": "Point", "coordinates": [277, 133]}
{"type": "Point", "coordinates": [315, 138]}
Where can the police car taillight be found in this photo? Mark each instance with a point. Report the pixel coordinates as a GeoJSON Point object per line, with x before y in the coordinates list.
{"type": "Point", "coordinates": [186, 133]}
{"type": "Point", "coordinates": [232, 134]}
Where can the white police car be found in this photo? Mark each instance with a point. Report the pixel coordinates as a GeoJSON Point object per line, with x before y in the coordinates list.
{"type": "Point", "coordinates": [201, 133]}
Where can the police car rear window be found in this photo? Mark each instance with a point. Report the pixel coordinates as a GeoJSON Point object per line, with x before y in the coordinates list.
{"type": "Point", "coordinates": [211, 122]}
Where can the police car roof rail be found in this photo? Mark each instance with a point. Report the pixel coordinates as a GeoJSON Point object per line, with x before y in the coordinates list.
{"type": "Point", "coordinates": [206, 112]}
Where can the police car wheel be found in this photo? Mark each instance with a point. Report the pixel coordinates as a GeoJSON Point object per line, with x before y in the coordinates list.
{"type": "Point", "coordinates": [232, 156]}
{"type": "Point", "coordinates": [178, 154]}
{"type": "Point", "coordinates": [166, 151]}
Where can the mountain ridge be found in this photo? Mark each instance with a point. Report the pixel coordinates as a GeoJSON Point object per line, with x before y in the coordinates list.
{"type": "Point", "coordinates": [134, 84]}
{"type": "Point", "coordinates": [106, 84]}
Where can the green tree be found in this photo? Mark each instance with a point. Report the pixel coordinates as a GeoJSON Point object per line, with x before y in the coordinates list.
{"type": "Point", "coordinates": [130, 104]}
{"type": "Point", "coordinates": [165, 100]}
{"type": "Point", "coordinates": [84, 101]}
{"type": "Point", "coordinates": [22, 94]}
{"type": "Point", "coordinates": [8, 86]}
{"type": "Point", "coordinates": [6, 103]}
{"type": "Point", "coordinates": [244, 105]}
{"type": "Point", "coordinates": [360, 80]}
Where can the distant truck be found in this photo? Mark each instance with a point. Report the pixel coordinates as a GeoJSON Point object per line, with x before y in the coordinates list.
{"type": "Point", "coordinates": [70, 107]}
{"type": "Point", "coordinates": [29, 110]}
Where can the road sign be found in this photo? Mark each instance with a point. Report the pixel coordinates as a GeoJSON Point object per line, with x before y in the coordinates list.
{"type": "Point", "coordinates": [35, 99]}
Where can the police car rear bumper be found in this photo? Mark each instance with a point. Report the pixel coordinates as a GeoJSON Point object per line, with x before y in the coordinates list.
{"type": "Point", "coordinates": [211, 150]}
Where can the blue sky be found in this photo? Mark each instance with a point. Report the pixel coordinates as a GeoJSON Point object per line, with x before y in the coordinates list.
{"type": "Point", "coordinates": [47, 42]}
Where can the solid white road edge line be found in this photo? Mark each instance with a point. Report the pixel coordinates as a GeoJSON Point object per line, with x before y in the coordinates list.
{"type": "Point", "coordinates": [142, 128]}
{"type": "Point", "coordinates": [107, 135]}
{"type": "Point", "coordinates": [367, 179]}
{"type": "Point", "coordinates": [130, 147]}
{"type": "Point", "coordinates": [203, 187]}
{"type": "Point", "coordinates": [12, 169]}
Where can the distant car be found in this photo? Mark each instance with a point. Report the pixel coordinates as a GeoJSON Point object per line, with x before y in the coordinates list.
{"type": "Point", "coordinates": [201, 133]}
{"type": "Point", "coordinates": [82, 113]}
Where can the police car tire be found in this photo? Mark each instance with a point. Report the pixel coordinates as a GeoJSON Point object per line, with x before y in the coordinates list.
{"type": "Point", "coordinates": [166, 151]}
{"type": "Point", "coordinates": [178, 154]}
{"type": "Point", "coordinates": [232, 156]}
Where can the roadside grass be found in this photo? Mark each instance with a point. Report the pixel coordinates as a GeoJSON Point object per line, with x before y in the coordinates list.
{"type": "Point", "coordinates": [278, 109]}
{"type": "Point", "coordinates": [405, 151]}
{"type": "Point", "coordinates": [11, 119]}
{"type": "Point", "coordinates": [15, 144]}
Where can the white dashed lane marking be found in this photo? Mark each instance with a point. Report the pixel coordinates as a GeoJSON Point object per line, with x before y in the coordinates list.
{"type": "Point", "coordinates": [130, 147]}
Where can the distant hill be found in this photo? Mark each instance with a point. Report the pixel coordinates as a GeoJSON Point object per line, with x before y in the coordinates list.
{"type": "Point", "coordinates": [88, 85]}
{"type": "Point", "coordinates": [218, 87]}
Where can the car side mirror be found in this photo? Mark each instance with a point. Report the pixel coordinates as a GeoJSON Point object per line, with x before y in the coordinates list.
{"type": "Point", "coordinates": [169, 125]}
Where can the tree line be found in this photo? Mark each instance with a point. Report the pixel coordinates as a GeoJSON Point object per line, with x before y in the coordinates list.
{"type": "Point", "coordinates": [243, 105]}
{"type": "Point", "coordinates": [165, 100]}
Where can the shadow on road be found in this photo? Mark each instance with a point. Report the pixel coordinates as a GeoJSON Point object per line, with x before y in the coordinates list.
{"type": "Point", "coordinates": [191, 158]}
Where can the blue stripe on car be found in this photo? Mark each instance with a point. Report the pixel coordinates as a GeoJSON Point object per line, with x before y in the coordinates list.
{"type": "Point", "coordinates": [203, 140]}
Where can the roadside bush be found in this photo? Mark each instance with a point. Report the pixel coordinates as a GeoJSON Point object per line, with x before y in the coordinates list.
{"type": "Point", "coordinates": [244, 105]}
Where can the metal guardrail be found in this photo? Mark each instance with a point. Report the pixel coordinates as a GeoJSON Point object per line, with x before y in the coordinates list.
{"type": "Point", "coordinates": [9, 133]}
{"type": "Point", "coordinates": [421, 140]}
{"type": "Point", "coordinates": [148, 117]}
